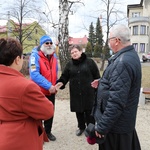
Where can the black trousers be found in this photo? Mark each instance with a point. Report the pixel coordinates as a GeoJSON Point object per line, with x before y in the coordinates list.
{"type": "Point", "coordinates": [48, 123]}
{"type": "Point", "coordinates": [126, 141]}
{"type": "Point", "coordinates": [84, 118]}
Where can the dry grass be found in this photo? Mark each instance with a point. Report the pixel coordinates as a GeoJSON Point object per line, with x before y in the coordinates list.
{"type": "Point", "coordinates": [146, 76]}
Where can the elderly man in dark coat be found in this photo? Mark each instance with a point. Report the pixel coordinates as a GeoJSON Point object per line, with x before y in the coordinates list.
{"type": "Point", "coordinates": [118, 94]}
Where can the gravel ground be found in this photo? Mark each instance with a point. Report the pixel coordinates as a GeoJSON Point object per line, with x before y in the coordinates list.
{"type": "Point", "coordinates": [65, 125]}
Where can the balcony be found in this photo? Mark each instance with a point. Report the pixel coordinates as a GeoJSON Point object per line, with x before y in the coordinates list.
{"type": "Point", "coordinates": [138, 19]}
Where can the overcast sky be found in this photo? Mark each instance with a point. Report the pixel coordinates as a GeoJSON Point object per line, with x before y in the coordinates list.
{"type": "Point", "coordinates": [83, 15]}
{"type": "Point", "coordinates": [88, 12]}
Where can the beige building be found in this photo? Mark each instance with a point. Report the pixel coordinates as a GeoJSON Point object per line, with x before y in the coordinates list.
{"type": "Point", "coordinates": [139, 24]}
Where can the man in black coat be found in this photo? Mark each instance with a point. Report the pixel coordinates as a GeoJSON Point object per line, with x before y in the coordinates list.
{"type": "Point", "coordinates": [118, 94]}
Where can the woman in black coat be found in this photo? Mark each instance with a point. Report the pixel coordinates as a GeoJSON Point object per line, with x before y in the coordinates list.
{"type": "Point", "coordinates": [81, 72]}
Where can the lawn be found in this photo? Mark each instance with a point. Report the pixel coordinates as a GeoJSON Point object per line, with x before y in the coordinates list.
{"type": "Point", "coordinates": [146, 76]}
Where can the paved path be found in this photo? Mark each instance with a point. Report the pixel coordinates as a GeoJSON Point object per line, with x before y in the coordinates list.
{"type": "Point", "coordinates": [65, 126]}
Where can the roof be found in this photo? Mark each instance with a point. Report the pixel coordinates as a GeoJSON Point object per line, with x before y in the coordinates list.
{"type": "Point", "coordinates": [78, 41]}
{"type": "Point", "coordinates": [3, 29]}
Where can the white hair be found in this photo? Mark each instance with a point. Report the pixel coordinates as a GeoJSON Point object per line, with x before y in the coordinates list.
{"type": "Point", "coordinates": [122, 32]}
{"type": "Point", "coordinates": [47, 50]}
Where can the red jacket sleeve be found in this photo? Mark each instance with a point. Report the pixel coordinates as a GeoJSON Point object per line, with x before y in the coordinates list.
{"type": "Point", "coordinates": [35, 104]}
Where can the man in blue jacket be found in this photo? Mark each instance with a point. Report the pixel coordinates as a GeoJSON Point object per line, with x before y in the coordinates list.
{"type": "Point", "coordinates": [43, 67]}
{"type": "Point", "coordinates": [118, 94]}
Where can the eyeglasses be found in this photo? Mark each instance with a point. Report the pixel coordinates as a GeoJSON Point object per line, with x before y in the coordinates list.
{"type": "Point", "coordinates": [47, 43]}
{"type": "Point", "coordinates": [111, 38]}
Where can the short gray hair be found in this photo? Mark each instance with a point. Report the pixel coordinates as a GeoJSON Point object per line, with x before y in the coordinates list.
{"type": "Point", "coordinates": [122, 32]}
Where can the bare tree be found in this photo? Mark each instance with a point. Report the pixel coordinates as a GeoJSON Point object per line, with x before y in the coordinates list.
{"type": "Point", "coordinates": [110, 15]}
{"type": "Point", "coordinates": [19, 11]}
{"type": "Point", "coordinates": [64, 9]}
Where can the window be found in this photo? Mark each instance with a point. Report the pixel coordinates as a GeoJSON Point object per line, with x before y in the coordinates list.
{"type": "Point", "coordinates": [17, 38]}
{"type": "Point", "coordinates": [142, 47]}
{"type": "Point", "coordinates": [143, 30]}
{"type": "Point", "coordinates": [135, 45]}
{"type": "Point", "coordinates": [147, 30]}
{"type": "Point", "coordinates": [130, 29]}
{"type": "Point", "coordinates": [135, 30]}
{"type": "Point", "coordinates": [80, 41]}
{"type": "Point", "coordinates": [29, 36]}
{"type": "Point", "coordinates": [36, 42]}
{"type": "Point", "coordinates": [136, 14]}
{"type": "Point", "coordinates": [36, 31]}
{"type": "Point", "coordinates": [10, 29]}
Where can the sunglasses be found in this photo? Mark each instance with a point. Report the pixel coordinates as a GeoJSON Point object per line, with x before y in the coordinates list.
{"type": "Point", "coordinates": [47, 43]}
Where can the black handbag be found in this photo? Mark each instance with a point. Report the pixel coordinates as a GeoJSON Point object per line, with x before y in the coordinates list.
{"type": "Point", "coordinates": [90, 132]}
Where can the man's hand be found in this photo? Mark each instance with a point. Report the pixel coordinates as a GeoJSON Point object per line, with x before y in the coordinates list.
{"type": "Point", "coordinates": [52, 89]}
{"type": "Point", "coordinates": [95, 83]}
{"type": "Point", "coordinates": [99, 135]}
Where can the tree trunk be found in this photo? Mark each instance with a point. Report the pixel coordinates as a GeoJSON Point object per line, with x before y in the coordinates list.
{"type": "Point", "coordinates": [103, 63]}
{"type": "Point", "coordinates": [63, 36]}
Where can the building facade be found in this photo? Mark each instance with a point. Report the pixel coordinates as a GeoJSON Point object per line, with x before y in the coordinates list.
{"type": "Point", "coordinates": [79, 41]}
{"type": "Point", "coordinates": [29, 32]}
{"type": "Point", "coordinates": [139, 24]}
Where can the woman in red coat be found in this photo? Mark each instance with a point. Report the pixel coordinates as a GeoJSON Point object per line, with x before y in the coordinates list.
{"type": "Point", "coordinates": [22, 104]}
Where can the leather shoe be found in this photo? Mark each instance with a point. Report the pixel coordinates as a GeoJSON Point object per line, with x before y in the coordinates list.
{"type": "Point", "coordinates": [79, 132]}
{"type": "Point", "coordinates": [51, 137]}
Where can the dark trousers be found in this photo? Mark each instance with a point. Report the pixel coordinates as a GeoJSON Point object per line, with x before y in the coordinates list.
{"type": "Point", "coordinates": [48, 123]}
{"type": "Point", "coordinates": [84, 119]}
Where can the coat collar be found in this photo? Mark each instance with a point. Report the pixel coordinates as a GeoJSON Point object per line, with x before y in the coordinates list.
{"type": "Point", "coordinates": [80, 60]}
{"type": "Point", "coordinates": [9, 71]}
{"type": "Point", "coordinates": [125, 49]}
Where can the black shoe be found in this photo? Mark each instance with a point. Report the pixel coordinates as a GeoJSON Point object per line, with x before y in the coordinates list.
{"type": "Point", "coordinates": [51, 137]}
{"type": "Point", "coordinates": [79, 132]}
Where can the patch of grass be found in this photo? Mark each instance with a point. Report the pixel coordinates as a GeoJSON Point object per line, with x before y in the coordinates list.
{"type": "Point", "coordinates": [146, 76]}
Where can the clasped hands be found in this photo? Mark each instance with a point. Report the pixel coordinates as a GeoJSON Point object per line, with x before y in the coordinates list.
{"type": "Point", "coordinates": [53, 89]}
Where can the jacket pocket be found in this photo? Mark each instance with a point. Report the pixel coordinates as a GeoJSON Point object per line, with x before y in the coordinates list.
{"type": "Point", "coordinates": [40, 138]}
{"type": "Point", "coordinates": [40, 130]}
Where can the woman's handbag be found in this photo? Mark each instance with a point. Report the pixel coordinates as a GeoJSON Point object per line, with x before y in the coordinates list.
{"type": "Point", "coordinates": [91, 136]}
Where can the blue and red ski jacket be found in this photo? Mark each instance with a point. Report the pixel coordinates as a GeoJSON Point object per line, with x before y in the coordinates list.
{"type": "Point", "coordinates": [43, 71]}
